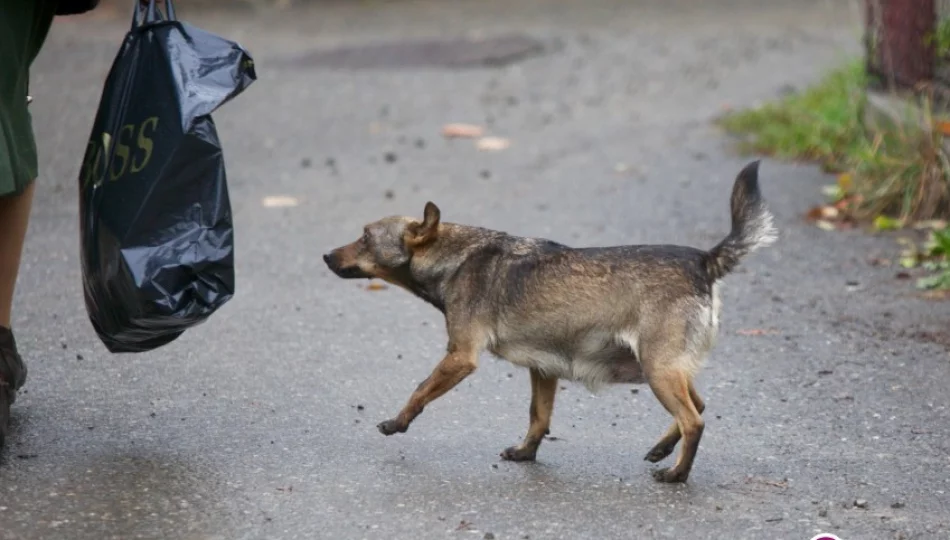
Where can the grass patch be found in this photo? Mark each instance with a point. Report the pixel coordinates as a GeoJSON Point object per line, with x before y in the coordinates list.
{"type": "Point", "coordinates": [890, 174]}
{"type": "Point", "coordinates": [821, 124]}
{"type": "Point", "coordinates": [896, 171]}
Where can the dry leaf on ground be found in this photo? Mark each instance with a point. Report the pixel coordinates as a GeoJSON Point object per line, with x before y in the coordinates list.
{"type": "Point", "coordinates": [469, 131]}
{"type": "Point", "coordinates": [755, 332]}
{"type": "Point", "coordinates": [279, 201]}
{"type": "Point", "coordinates": [376, 286]}
{"type": "Point", "coordinates": [493, 144]}
{"type": "Point", "coordinates": [884, 223]}
{"type": "Point", "coordinates": [936, 224]}
{"type": "Point", "coordinates": [845, 182]}
{"type": "Point", "coordinates": [936, 295]}
{"type": "Point", "coordinates": [768, 482]}
{"type": "Point", "coordinates": [825, 211]}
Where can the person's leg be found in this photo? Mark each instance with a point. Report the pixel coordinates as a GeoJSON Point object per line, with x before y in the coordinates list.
{"type": "Point", "coordinates": [24, 25]}
{"type": "Point", "coordinates": [14, 216]}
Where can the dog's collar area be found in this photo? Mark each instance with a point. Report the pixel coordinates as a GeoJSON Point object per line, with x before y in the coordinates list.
{"type": "Point", "coordinates": [403, 274]}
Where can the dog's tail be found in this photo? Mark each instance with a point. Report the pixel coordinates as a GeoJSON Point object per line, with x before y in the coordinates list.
{"type": "Point", "coordinates": [752, 224]}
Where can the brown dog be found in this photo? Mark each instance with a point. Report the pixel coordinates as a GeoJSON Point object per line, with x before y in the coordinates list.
{"type": "Point", "coordinates": [626, 314]}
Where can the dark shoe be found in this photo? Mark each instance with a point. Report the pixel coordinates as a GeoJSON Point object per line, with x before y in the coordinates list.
{"type": "Point", "coordinates": [12, 377]}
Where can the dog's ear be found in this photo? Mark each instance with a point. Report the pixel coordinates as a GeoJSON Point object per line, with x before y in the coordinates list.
{"type": "Point", "coordinates": [425, 232]}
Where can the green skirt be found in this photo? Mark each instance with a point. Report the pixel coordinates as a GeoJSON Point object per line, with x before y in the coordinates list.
{"type": "Point", "coordinates": [24, 25]}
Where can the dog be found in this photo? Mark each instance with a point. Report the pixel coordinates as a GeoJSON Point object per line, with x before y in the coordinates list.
{"type": "Point", "coordinates": [597, 315]}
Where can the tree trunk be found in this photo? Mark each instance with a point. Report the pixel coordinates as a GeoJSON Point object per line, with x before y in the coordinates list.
{"type": "Point", "coordinates": [899, 31]}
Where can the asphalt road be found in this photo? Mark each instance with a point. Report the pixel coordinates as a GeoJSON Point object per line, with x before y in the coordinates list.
{"type": "Point", "coordinates": [261, 423]}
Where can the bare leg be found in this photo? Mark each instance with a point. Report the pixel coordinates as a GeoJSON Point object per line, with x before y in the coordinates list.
{"type": "Point", "coordinates": [14, 217]}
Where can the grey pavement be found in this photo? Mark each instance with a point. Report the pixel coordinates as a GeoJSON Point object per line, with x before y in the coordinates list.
{"type": "Point", "coordinates": [260, 423]}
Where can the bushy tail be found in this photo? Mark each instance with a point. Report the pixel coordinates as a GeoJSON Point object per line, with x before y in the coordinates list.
{"type": "Point", "coordinates": [752, 225]}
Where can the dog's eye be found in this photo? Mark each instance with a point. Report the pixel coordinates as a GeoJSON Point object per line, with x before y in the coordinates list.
{"type": "Point", "coordinates": [366, 236]}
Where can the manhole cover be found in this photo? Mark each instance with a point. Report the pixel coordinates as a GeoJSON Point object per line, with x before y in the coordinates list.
{"type": "Point", "coordinates": [455, 53]}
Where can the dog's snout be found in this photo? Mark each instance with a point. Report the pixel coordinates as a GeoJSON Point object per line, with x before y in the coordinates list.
{"type": "Point", "coordinates": [326, 258]}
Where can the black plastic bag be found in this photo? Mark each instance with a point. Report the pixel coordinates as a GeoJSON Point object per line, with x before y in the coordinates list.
{"type": "Point", "coordinates": [157, 237]}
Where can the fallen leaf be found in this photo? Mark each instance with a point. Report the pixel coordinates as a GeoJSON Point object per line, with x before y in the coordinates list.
{"type": "Point", "coordinates": [376, 286]}
{"type": "Point", "coordinates": [845, 204]}
{"type": "Point", "coordinates": [934, 224]}
{"type": "Point", "coordinates": [943, 126]}
{"type": "Point", "coordinates": [825, 225]}
{"type": "Point", "coordinates": [902, 275]}
{"type": "Point", "coordinates": [493, 144]}
{"type": "Point", "coordinates": [936, 295]}
{"type": "Point", "coordinates": [905, 241]}
{"type": "Point", "coordinates": [758, 480]}
{"type": "Point", "coordinates": [845, 182]}
{"type": "Point", "coordinates": [755, 332]}
{"type": "Point", "coordinates": [823, 211]}
{"type": "Point", "coordinates": [833, 192]}
{"type": "Point", "coordinates": [279, 201]}
{"type": "Point", "coordinates": [884, 223]}
{"type": "Point", "coordinates": [468, 131]}
{"type": "Point", "coordinates": [813, 214]}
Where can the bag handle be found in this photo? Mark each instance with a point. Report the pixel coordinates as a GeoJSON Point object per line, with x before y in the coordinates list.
{"type": "Point", "coordinates": [151, 11]}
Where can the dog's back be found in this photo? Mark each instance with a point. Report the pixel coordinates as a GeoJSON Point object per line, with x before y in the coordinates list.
{"type": "Point", "coordinates": [602, 315]}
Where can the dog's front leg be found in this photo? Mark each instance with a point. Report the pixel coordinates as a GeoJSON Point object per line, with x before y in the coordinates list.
{"type": "Point", "coordinates": [459, 363]}
{"type": "Point", "coordinates": [543, 390]}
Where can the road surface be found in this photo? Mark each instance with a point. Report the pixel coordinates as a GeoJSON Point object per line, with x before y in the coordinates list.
{"type": "Point", "coordinates": [827, 394]}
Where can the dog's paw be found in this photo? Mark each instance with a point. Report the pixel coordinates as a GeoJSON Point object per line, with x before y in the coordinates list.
{"type": "Point", "coordinates": [670, 476]}
{"type": "Point", "coordinates": [390, 427]}
{"type": "Point", "coordinates": [517, 453]}
{"type": "Point", "coordinates": [659, 453]}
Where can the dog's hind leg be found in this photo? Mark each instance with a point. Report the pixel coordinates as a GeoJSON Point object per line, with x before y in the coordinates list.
{"type": "Point", "coordinates": [671, 385]}
{"type": "Point", "coordinates": [672, 436]}
{"type": "Point", "coordinates": [543, 390]}
{"type": "Point", "coordinates": [459, 363]}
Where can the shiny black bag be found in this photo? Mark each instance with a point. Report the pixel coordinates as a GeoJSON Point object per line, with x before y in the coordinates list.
{"type": "Point", "coordinates": [157, 237]}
